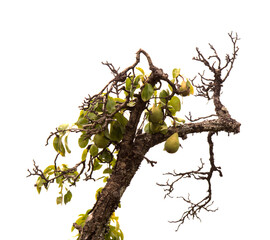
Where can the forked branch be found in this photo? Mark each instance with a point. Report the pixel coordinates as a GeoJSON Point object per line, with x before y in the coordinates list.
{"type": "Point", "coordinates": [200, 174]}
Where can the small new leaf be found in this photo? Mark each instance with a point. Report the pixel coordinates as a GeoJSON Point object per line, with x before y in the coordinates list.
{"type": "Point", "coordinates": [141, 70]}
{"type": "Point", "coordinates": [181, 120]}
{"type": "Point", "coordinates": [59, 200]}
{"type": "Point", "coordinates": [176, 72]}
{"type": "Point", "coordinates": [63, 127]}
{"type": "Point", "coordinates": [98, 192]}
{"type": "Point", "coordinates": [84, 154]}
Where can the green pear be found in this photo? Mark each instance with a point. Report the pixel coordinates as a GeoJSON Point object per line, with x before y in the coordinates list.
{"type": "Point", "coordinates": [154, 127]}
{"type": "Point", "coordinates": [156, 114]}
{"type": "Point", "coordinates": [172, 143]}
{"type": "Point", "coordinates": [100, 140]}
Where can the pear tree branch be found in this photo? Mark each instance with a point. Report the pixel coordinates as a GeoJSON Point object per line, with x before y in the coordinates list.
{"type": "Point", "coordinates": [125, 104]}
{"type": "Point", "coordinates": [209, 89]}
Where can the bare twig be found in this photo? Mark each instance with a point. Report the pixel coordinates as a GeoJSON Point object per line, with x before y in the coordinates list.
{"type": "Point", "coordinates": [199, 118]}
{"type": "Point", "coordinates": [195, 208]}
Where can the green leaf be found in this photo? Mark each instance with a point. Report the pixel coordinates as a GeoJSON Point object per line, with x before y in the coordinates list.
{"type": "Point", "coordinates": [82, 113]}
{"type": "Point", "coordinates": [171, 109]}
{"type": "Point", "coordinates": [147, 92]}
{"type": "Point", "coordinates": [121, 235]}
{"type": "Point", "coordinates": [107, 170]}
{"type": "Point", "coordinates": [67, 197]}
{"type": "Point", "coordinates": [81, 220]}
{"type": "Point", "coordinates": [128, 84]}
{"type": "Point", "coordinates": [116, 131]}
{"type": "Point", "coordinates": [99, 107]}
{"type": "Point", "coordinates": [163, 94]}
{"type": "Point", "coordinates": [175, 103]}
{"type": "Point", "coordinates": [59, 200]}
{"type": "Point", "coordinates": [147, 128]}
{"type": "Point", "coordinates": [121, 119]}
{"type": "Point", "coordinates": [170, 87]}
{"type": "Point", "coordinates": [81, 121]}
{"type": "Point", "coordinates": [83, 141]}
{"type": "Point", "coordinates": [97, 165]}
{"type": "Point", "coordinates": [131, 104]}
{"type": "Point", "coordinates": [84, 154]}
{"type": "Point", "coordinates": [105, 179]}
{"type": "Point", "coordinates": [105, 156]}
{"type": "Point", "coordinates": [113, 162]}
{"type": "Point", "coordinates": [38, 190]}
{"type": "Point", "coordinates": [137, 80]}
{"type": "Point", "coordinates": [181, 120]}
{"type": "Point", "coordinates": [62, 150]}
{"type": "Point", "coordinates": [63, 127]}
{"type": "Point", "coordinates": [56, 143]}
{"type": "Point", "coordinates": [110, 106]}
{"type": "Point", "coordinates": [64, 167]}
{"type": "Point", "coordinates": [59, 180]}
{"type": "Point", "coordinates": [93, 150]}
{"type": "Point", "coordinates": [66, 144]}
{"type": "Point", "coordinates": [119, 100]}
{"type": "Point", "coordinates": [92, 116]}
{"type": "Point", "coordinates": [98, 192]}
{"type": "Point", "coordinates": [141, 70]}
{"type": "Point", "coordinates": [176, 72]}
{"type": "Point", "coordinates": [39, 184]}
{"type": "Point", "coordinates": [49, 170]}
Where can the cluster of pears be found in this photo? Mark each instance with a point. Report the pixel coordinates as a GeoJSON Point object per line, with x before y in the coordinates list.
{"type": "Point", "coordinates": [172, 143]}
{"type": "Point", "coordinates": [155, 118]}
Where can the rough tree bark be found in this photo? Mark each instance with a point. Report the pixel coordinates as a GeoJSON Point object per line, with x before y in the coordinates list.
{"type": "Point", "coordinates": [134, 146]}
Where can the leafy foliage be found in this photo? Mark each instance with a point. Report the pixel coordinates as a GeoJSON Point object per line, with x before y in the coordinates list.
{"type": "Point", "coordinates": [102, 125]}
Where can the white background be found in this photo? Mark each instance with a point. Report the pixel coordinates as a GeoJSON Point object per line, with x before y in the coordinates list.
{"type": "Point", "coordinates": [50, 59]}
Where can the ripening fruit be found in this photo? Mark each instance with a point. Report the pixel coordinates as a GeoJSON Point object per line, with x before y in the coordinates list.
{"type": "Point", "coordinates": [184, 89]}
{"type": "Point", "coordinates": [172, 143]}
{"type": "Point", "coordinates": [100, 140]}
{"type": "Point", "coordinates": [156, 114]}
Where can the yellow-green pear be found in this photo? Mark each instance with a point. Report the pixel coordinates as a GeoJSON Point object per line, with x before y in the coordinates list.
{"type": "Point", "coordinates": [184, 89]}
{"type": "Point", "coordinates": [100, 140]}
{"type": "Point", "coordinates": [172, 143]}
{"type": "Point", "coordinates": [156, 114]}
